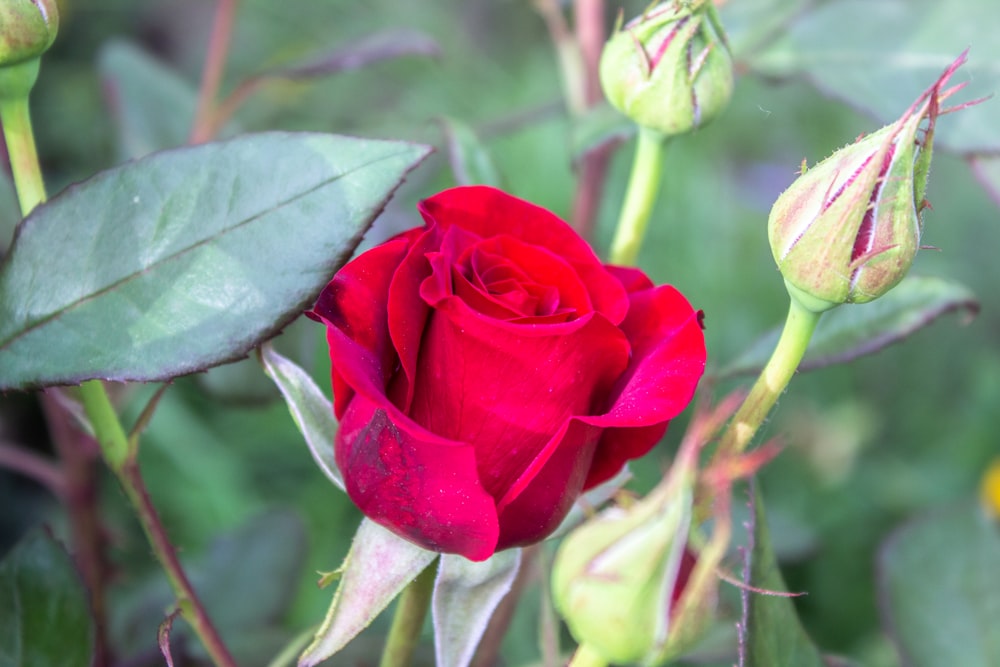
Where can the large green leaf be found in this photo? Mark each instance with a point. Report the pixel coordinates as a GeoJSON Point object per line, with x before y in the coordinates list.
{"type": "Point", "coordinates": [188, 258]}
{"type": "Point", "coordinates": [878, 56]}
{"type": "Point", "coordinates": [773, 635]}
{"type": "Point", "coordinates": [44, 613]}
{"type": "Point", "coordinates": [940, 590]}
{"type": "Point", "coordinates": [852, 331]}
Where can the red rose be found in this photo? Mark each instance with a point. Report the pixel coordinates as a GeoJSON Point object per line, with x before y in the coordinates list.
{"type": "Point", "coordinates": [487, 369]}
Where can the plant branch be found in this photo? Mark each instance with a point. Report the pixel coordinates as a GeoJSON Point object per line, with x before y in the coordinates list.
{"type": "Point", "coordinates": [409, 619]}
{"type": "Point", "coordinates": [773, 380]}
{"type": "Point", "coordinates": [120, 455]}
{"type": "Point", "coordinates": [79, 454]}
{"type": "Point", "coordinates": [33, 466]}
{"type": "Point", "coordinates": [640, 197]}
{"type": "Point", "coordinates": [211, 77]}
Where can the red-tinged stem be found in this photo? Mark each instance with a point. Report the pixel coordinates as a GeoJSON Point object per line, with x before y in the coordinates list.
{"type": "Point", "coordinates": [211, 77]}
{"type": "Point", "coordinates": [79, 456]}
{"type": "Point", "coordinates": [33, 466]}
{"type": "Point", "coordinates": [591, 34]}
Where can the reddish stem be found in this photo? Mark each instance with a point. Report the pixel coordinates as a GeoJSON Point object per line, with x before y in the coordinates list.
{"type": "Point", "coordinates": [211, 77]}
{"type": "Point", "coordinates": [79, 456]}
{"type": "Point", "coordinates": [593, 168]}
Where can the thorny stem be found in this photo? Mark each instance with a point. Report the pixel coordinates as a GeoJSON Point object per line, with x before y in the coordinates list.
{"type": "Point", "coordinates": [643, 186]}
{"type": "Point", "coordinates": [115, 447]}
{"type": "Point", "coordinates": [773, 380]}
{"type": "Point", "coordinates": [409, 619]}
{"type": "Point", "coordinates": [33, 466]}
{"type": "Point", "coordinates": [218, 48]}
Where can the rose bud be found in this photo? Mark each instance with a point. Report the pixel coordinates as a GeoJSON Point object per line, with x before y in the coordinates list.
{"type": "Point", "coordinates": [847, 230]}
{"type": "Point", "coordinates": [27, 29]}
{"type": "Point", "coordinates": [669, 69]}
{"type": "Point", "coordinates": [619, 578]}
{"type": "Point", "coordinates": [487, 369]}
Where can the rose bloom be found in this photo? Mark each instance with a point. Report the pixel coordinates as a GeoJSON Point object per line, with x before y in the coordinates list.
{"type": "Point", "coordinates": [488, 369]}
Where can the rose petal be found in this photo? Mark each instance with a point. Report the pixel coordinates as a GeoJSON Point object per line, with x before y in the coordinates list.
{"type": "Point", "coordinates": [488, 212]}
{"type": "Point", "coordinates": [355, 303]}
{"type": "Point", "coordinates": [631, 278]}
{"type": "Point", "coordinates": [486, 382]}
{"type": "Point", "coordinates": [422, 487]}
{"type": "Point", "coordinates": [668, 359]}
{"type": "Point", "coordinates": [537, 503]}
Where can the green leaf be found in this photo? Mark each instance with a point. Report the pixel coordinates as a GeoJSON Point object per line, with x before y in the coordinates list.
{"type": "Point", "coordinates": [878, 56]}
{"type": "Point", "coordinates": [364, 590]}
{"type": "Point", "coordinates": [855, 330]}
{"type": "Point", "coordinates": [44, 612]}
{"type": "Point", "coordinates": [188, 258]}
{"type": "Point", "coordinates": [465, 596]}
{"type": "Point", "coordinates": [471, 162]}
{"type": "Point", "coordinates": [939, 587]}
{"type": "Point", "coordinates": [310, 409]}
{"type": "Point", "coordinates": [153, 106]}
{"type": "Point", "coordinates": [772, 633]}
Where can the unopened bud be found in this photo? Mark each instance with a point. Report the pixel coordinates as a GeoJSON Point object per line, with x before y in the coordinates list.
{"type": "Point", "coordinates": [618, 578]}
{"type": "Point", "coordinates": [27, 29]}
{"type": "Point", "coordinates": [669, 70]}
{"type": "Point", "coordinates": [848, 229]}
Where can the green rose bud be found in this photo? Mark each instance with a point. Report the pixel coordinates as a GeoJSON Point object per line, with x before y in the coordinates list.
{"type": "Point", "coordinates": [619, 580]}
{"type": "Point", "coordinates": [847, 230]}
{"type": "Point", "coordinates": [27, 29]}
{"type": "Point", "coordinates": [670, 69]}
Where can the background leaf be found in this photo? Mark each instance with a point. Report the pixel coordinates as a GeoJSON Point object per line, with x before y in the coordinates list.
{"type": "Point", "coordinates": [312, 412]}
{"type": "Point", "coordinates": [774, 634]}
{"type": "Point", "coordinates": [939, 588]}
{"type": "Point", "coordinates": [153, 106]}
{"type": "Point", "coordinates": [188, 258]}
{"type": "Point", "coordinates": [854, 330]}
{"type": "Point", "coordinates": [364, 591]}
{"type": "Point", "coordinates": [44, 611]}
{"type": "Point", "coordinates": [470, 160]}
{"type": "Point", "coordinates": [878, 56]}
{"type": "Point", "coordinates": [465, 597]}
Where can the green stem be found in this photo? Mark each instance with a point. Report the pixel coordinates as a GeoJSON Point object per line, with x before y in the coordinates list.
{"type": "Point", "coordinates": [778, 372]}
{"type": "Point", "coordinates": [17, 132]}
{"type": "Point", "coordinates": [643, 186]}
{"type": "Point", "coordinates": [409, 619]}
{"type": "Point", "coordinates": [586, 657]}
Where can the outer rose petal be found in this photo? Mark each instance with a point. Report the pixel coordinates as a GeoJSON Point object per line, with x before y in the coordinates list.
{"type": "Point", "coordinates": [355, 303]}
{"type": "Point", "coordinates": [540, 500]}
{"type": "Point", "coordinates": [414, 483]}
{"type": "Point", "coordinates": [489, 212]}
{"type": "Point", "coordinates": [668, 359]}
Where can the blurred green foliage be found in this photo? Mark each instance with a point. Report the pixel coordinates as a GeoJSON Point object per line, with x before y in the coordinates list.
{"type": "Point", "coordinates": [869, 444]}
